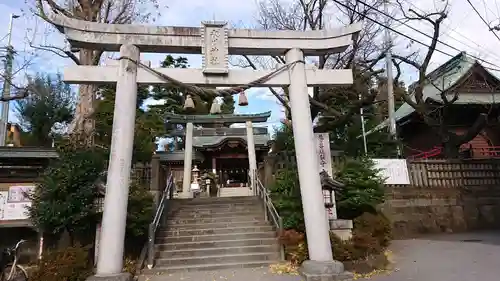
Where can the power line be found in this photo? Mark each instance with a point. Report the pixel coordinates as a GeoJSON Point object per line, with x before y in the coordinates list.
{"type": "Point", "coordinates": [458, 33]}
{"type": "Point", "coordinates": [410, 38]}
{"type": "Point", "coordinates": [423, 33]}
{"type": "Point", "coordinates": [485, 22]}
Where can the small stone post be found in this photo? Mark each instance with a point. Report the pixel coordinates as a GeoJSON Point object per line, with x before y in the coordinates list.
{"type": "Point", "coordinates": [321, 265]}
{"type": "Point", "coordinates": [155, 184]}
{"type": "Point", "coordinates": [110, 258]}
{"type": "Point", "coordinates": [188, 161]}
{"type": "Point", "coordinates": [252, 157]}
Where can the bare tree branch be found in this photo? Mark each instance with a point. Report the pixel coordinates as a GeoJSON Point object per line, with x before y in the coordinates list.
{"type": "Point", "coordinates": [57, 51]}
{"type": "Point", "coordinates": [278, 97]}
{"type": "Point", "coordinates": [435, 116]}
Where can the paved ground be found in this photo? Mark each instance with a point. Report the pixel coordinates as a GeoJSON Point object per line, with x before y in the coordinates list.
{"type": "Point", "coordinates": [455, 257]}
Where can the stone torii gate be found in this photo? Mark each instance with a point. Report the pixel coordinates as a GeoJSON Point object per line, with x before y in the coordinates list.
{"type": "Point", "coordinates": [215, 42]}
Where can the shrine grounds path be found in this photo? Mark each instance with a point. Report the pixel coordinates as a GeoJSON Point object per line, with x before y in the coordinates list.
{"type": "Point", "coordinates": [447, 257]}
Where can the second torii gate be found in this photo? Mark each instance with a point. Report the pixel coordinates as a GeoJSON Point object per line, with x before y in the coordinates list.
{"type": "Point", "coordinates": [215, 42]}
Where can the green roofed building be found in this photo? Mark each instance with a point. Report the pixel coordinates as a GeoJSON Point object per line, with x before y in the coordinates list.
{"type": "Point", "coordinates": [218, 148]}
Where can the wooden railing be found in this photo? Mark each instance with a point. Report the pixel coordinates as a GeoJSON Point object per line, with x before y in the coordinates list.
{"type": "Point", "coordinates": [436, 172]}
{"type": "Point", "coordinates": [454, 172]}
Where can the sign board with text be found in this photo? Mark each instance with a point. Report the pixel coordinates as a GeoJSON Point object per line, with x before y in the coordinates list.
{"type": "Point", "coordinates": [14, 203]}
{"type": "Point", "coordinates": [324, 153]}
{"type": "Point", "coordinates": [395, 171]}
{"type": "Point", "coordinates": [325, 164]}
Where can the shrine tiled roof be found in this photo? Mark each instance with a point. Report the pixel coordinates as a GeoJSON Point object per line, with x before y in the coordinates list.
{"type": "Point", "coordinates": [177, 156]}
{"type": "Point", "coordinates": [448, 74]}
{"type": "Point", "coordinates": [217, 118]}
{"type": "Point", "coordinates": [210, 141]}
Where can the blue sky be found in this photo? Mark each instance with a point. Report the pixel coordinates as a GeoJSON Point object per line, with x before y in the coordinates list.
{"type": "Point", "coordinates": [463, 29]}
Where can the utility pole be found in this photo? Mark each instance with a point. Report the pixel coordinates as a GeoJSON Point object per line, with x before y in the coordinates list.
{"type": "Point", "coordinates": [390, 82]}
{"type": "Point", "coordinates": [6, 84]}
{"type": "Point", "coordinates": [363, 131]}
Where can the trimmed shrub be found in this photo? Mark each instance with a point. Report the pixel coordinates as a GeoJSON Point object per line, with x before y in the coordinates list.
{"type": "Point", "coordinates": [371, 236]}
{"type": "Point", "coordinates": [70, 264]}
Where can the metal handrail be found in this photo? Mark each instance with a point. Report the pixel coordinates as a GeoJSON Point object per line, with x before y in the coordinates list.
{"type": "Point", "coordinates": [153, 226]}
{"type": "Point", "coordinates": [263, 193]}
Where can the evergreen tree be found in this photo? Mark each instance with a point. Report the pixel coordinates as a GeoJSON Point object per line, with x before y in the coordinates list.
{"type": "Point", "coordinates": [46, 111]}
{"type": "Point", "coordinates": [148, 126]}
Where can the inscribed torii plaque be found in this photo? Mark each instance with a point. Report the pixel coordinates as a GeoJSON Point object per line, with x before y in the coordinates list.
{"type": "Point", "coordinates": [214, 48]}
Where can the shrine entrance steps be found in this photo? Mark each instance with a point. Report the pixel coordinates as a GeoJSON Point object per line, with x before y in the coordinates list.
{"type": "Point", "coordinates": [215, 233]}
{"type": "Point", "coordinates": [235, 191]}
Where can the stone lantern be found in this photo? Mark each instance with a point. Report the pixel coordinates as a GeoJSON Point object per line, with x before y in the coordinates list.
{"type": "Point", "coordinates": [342, 228]}
{"type": "Point", "coordinates": [196, 174]}
{"type": "Point", "coordinates": [195, 186]}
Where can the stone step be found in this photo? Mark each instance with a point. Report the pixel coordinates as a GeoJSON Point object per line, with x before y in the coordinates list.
{"type": "Point", "coordinates": [235, 191]}
{"type": "Point", "coordinates": [214, 206]}
{"type": "Point", "coordinates": [177, 221]}
{"type": "Point", "coordinates": [274, 248]}
{"type": "Point", "coordinates": [226, 230]}
{"type": "Point", "coordinates": [216, 200]}
{"type": "Point", "coordinates": [197, 215]}
{"type": "Point", "coordinates": [159, 270]}
{"type": "Point", "coordinates": [216, 237]}
{"type": "Point", "coordinates": [222, 208]}
{"type": "Point", "coordinates": [218, 224]}
{"type": "Point", "coordinates": [215, 244]}
{"type": "Point", "coordinates": [217, 259]}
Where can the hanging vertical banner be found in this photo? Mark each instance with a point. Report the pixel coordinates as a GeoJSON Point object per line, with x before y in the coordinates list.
{"type": "Point", "coordinates": [325, 164]}
{"type": "Point", "coordinates": [324, 153]}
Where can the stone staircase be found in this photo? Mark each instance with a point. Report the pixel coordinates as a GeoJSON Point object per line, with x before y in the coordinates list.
{"type": "Point", "coordinates": [235, 191]}
{"type": "Point", "coordinates": [215, 233]}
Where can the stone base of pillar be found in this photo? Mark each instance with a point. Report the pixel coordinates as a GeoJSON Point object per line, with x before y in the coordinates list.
{"type": "Point", "coordinates": [115, 277]}
{"type": "Point", "coordinates": [184, 195]}
{"type": "Point", "coordinates": [324, 271]}
{"type": "Point", "coordinates": [342, 228]}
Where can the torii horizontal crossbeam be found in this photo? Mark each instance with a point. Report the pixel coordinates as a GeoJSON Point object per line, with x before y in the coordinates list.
{"type": "Point", "coordinates": [235, 77]}
{"type": "Point", "coordinates": [189, 40]}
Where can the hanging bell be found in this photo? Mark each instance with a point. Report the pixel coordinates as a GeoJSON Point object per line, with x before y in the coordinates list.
{"type": "Point", "coordinates": [188, 104]}
{"type": "Point", "coordinates": [215, 108]}
{"type": "Point", "coordinates": [242, 99]}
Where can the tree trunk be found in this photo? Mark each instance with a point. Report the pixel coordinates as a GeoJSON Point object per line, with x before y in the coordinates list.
{"type": "Point", "coordinates": [451, 149]}
{"type": "Point", "coordinates": [83, 125]}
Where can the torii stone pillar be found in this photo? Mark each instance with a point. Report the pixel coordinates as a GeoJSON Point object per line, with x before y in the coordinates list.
{"type": "Point", "coordinates": [252, 157]}
{"type": "Point", "coordinates": [110, 261]}
{"type": "Point", "coordinates": [317, 229]}
{"type": "Point", "coordinates": [188, 161]}
{"type": "Point", "coordinates": [215, 42]}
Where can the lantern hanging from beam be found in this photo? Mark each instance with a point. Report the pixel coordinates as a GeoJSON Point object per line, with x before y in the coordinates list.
{"type": "Point", "coordinates": [188, 103]}
{"type": "Point", "coordinates": [242, 99]}
{"type": "Point", "coordinates": [215, 108]}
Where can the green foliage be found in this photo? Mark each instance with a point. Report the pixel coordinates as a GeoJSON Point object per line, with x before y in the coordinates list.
{"type": "Point", "coordinates": [295, 246]}
{"type": "Point", "coordinates": [349, 139]}
{"type": "Point", "coordinates": [364, 189]}
{"type": "Point", "coordinates": [64, 198]}
{"type": "Point", "coordinates": [346, 129]}
{"type": "Point", "coordinates": [69, 264]}
{"type": "Point", "coordinates": [139, 210]}
{"type": "Point", "coordinates": [378, 225]}
{"type": "Point", "coordinates": [283, 139]}
{"type": "Point", "coordinates": [285, 194]}
{"type": "Point", "coordinates": [175, 98]}
{"type": "Point", "coordinates": [49, 107]}
{"type": "Point", "coordinates": [148, 125]}
{"type": "Point", "coordinates": [371, 236]}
